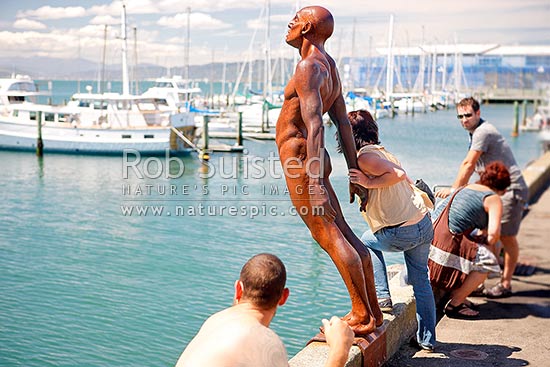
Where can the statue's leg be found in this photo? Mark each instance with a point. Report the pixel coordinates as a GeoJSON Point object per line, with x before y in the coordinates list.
{"type": "Point", "coordinates": [364, 255]}
{"type": "Point", "coordinates": [350, 266]}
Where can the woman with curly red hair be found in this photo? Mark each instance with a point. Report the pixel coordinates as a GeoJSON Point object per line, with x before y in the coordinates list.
{"type": "Point", "coordinates": [459, 262]}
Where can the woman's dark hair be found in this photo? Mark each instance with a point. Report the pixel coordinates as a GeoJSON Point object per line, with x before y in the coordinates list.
{"type": "Point", "coordinates": [364, 129]}
{"type": "Point", "coordinates": [496, 176]}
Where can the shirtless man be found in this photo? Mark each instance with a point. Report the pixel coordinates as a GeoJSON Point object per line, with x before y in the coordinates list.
{"type": "Point", "coordinates": [240, 335]}
{"type": "Point", "coordinates": [314, 90]}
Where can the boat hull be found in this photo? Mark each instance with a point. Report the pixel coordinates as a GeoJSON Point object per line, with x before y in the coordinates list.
{"type": "Point", "coordinates": [147, 141]}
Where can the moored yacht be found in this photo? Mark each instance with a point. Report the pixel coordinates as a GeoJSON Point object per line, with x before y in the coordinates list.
{"type": "Point", "coordinates": [93, 123]}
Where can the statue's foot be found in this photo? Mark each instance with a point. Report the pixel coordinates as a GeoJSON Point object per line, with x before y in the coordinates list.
{"type": "Point", "coordinates": [363, 329]}
{"type": "Point", "coordinates": [350, 319]}
{"type": "Point", "coordinates": [360, 325]}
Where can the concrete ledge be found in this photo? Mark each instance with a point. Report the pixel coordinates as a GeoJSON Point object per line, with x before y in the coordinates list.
{"type": "Point", "coordinates": [537, 175]}
{"type": "Point", "coordinates": [398, 328]}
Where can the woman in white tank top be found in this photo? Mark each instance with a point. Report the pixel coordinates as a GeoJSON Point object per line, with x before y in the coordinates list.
{"type": "Point", "coordinates": [398, 219]}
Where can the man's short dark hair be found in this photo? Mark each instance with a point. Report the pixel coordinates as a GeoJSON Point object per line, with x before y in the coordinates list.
{"type": "Point", "coordinates": [469, 102]}
{"type": "Point", "coordinates": [264, 279]}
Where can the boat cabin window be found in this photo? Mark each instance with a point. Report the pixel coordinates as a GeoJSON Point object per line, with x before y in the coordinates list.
{"type": "Point", "coordinates": [163, 85]}
{"type": "Point", "coordinates": [124, 136]}
{"type": "Point", "coordinates": [23, 86]}
{"type": "Point", "coordinates": [16, 99]}
{"type": "Point", "coordinates": [184, 96]}
{"type": "Point", "coordinates": [48, 116]}
{"type": "Point", "coordinates": [149, 136]}
{"type": "Point", "coordinates": [100, 105]}
{"type": "Point", "coordinates": [32, 115]}
{"type": "Point", "coordinates": [146, 106]}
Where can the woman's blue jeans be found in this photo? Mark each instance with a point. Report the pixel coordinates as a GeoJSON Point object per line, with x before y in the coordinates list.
{"type": "Point", "coordinates": [414, 241]}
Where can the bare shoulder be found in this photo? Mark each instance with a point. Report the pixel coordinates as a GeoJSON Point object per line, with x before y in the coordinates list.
{"type": "Point", "coordinates": [225, 340]}
{"type": "Point", "coordinates": [492, 203]}
{"type": "Point", "coordinates": [367, 161]}
{"type": "Point", "coordinates": [368, 157]}
{"type": "Point", "coordinates": [308, 67]}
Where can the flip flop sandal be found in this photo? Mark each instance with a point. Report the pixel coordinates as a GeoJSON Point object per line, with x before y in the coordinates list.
{"type": "Point", "coordinates": [479, 292]}
{"type": "Point", "coordinates": [471, 305]}
{"type": "Point", "coordinates": [498, 291]}
{"type": "Point", "coordinates": [457, 312]}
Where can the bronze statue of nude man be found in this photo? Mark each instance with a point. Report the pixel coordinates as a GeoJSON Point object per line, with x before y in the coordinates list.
{"type": "Point", "coordinates": [313, 90]}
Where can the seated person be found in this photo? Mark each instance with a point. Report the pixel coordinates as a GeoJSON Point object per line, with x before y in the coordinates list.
{"type": "Point", "coordinates": [240, 335]}
{"type": "Point", "coordinates": [457, 264]}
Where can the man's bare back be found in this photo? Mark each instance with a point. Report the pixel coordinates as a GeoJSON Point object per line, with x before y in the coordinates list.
{"type": "Point", "coordinates": [314, 90]}
{"type": "Point", "coordinates": [240, 340]}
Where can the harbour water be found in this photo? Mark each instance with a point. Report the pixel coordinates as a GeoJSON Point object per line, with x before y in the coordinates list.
{"type": "Point", "coordinates": [86, 282]}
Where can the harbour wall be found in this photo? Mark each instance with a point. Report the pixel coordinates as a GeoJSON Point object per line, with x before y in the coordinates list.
{"type": "Point", "coordinates": [400, 326]}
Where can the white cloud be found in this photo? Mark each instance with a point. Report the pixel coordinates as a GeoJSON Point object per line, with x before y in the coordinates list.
{"type": "Point", "coordinates": [162, 27]}
{"type": "Point", "coordinates": [105, 19]}
{"type": "Point", "coordinates": [428, 8]}
{"type": "Point", "coordinates": [197, 21]}
{"type": "Point", "coordinates": [218, 5]}
{"type": "Point", "coordinates": [28, 24]}
{"type": "Point", "coordinates": [48, 12]}
{"type": "Point", "coordinates": [132, 7]}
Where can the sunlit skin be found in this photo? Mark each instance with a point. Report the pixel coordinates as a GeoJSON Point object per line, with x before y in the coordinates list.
{"type": "Point", "coordinates": [468, 123]}
{"type": "Point", "coordinates": [313, 90]}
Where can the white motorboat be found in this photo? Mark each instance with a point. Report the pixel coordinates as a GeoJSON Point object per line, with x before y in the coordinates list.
{"type": "Point", "coordinates": [94, 123]}
{"type": "Point", "coordinates": [174, 92]}
{"type": "Point", "coordinates": [540, 120]}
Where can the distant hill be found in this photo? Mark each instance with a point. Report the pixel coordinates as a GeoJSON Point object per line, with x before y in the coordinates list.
{"type": "Point", "coordinates": [75, 69]}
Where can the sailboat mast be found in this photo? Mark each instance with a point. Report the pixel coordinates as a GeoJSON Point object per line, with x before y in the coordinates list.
{"type": "Point", "coordinates": [134, 74]}
{"type": "Point", "coordinates": [389, 70]}
{"type": "Point", "coordinates": [101, 80]}
{"type": "Point", "coordinates": [187, 45]}
{"type": "Point", "coordinates": [267, 66]}
{"type": "Point", "coordinates": [125, 81]}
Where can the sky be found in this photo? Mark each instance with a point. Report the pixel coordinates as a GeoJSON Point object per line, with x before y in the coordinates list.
{"type": "Point", "coordinates": [233, 30]}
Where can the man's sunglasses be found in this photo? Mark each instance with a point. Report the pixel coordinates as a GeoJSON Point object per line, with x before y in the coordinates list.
{"type": "Point", "coordinates": [467, 115]}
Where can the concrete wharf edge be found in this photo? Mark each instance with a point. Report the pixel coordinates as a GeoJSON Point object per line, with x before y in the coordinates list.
{"type": "Point", "coordinates": [400, 325]}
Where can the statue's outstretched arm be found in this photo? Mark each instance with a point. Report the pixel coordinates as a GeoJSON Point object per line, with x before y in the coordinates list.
{"type": "Point", "coordinates": [339, 117]}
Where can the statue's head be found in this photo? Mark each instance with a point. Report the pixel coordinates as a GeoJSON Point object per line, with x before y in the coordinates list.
{"type": "Point", "coordinates": [313, 22]}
